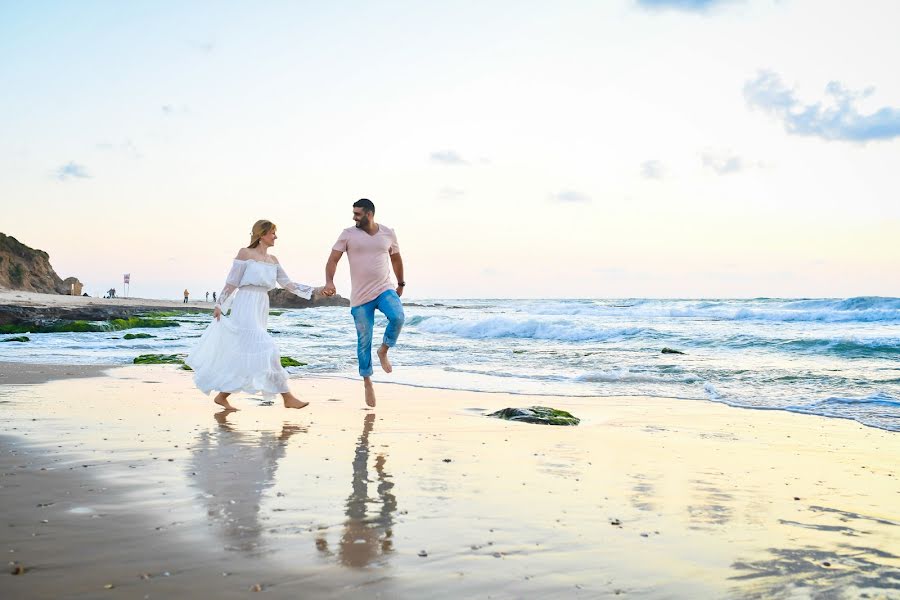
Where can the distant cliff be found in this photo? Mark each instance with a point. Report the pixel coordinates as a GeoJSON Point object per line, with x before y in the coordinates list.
{"type": "Point", "coordinates": [24, 268]}
{"type": "Point", "coordinates": [281, 298]}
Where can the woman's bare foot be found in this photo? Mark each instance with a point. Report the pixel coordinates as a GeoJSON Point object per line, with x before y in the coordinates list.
{"type": "Point", "coordinates": [382, 356]}
{"type": "Point", "coordinates": [370, 393]}
{"type": "Point", "coordinates": [221, 418]}
{"type": "Point", "coordinates": [291, 401]}
{"type": "Point", "coordinates": [222, 400]}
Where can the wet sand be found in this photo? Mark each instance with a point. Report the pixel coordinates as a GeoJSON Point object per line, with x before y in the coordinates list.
{"type": "Point", "coordinates": [28, 373]}
{"type": "Point", "coordinates": [135, 481]}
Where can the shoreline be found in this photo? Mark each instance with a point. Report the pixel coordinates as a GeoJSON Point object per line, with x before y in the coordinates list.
{"type": "Point", "coordinates": [425, 495]}
{"type": "Point", "coordinates": [18, 373]}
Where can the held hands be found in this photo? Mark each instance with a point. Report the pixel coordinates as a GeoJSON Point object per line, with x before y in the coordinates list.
{"type": "Point", "coordinates": [329, 290]}
{"type": "Point", "coordinates": [217, 312]}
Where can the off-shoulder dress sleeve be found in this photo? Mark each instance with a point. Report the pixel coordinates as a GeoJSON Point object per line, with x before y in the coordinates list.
{"type": "Point", "coordinates": [302, 290]}
{"type": "Point", "coordinates": [232, 283]}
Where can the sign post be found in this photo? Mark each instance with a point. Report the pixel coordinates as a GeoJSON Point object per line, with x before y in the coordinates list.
{"type": "Point", "coordinates": [127, 282]}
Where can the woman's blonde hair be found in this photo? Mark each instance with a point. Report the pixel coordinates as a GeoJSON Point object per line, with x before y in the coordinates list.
{"type": "Point", "coordinates": [260, 228]}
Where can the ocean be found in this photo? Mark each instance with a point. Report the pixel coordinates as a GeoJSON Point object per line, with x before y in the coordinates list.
{"type": "Point", "coordinates": [836, 358]}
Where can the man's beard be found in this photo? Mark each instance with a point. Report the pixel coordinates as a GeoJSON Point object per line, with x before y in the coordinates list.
{"type": "Point", "coordinates": [362, 223]}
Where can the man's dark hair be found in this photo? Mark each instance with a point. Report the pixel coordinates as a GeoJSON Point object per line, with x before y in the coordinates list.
{"type": "Point", "coordinates": [365, 204]}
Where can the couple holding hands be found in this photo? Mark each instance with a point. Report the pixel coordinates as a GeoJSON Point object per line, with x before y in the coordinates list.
{"type": "Point", "coordinates": [237, 354]}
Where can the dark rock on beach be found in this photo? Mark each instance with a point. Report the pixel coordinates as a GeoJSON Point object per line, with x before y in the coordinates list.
{"type": "Point", "coordinates": [671, 351]}
{"type": "Point", "coordinates": [542, 415]}
{"type": "Point", "coordinates": [284, 299]}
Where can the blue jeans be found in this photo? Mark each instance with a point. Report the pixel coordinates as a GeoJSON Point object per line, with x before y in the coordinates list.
{"type": "Point", "coordinates": [364, 316]}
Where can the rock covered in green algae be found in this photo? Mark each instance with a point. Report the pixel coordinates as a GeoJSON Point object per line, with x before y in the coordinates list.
{"type": "Point", "coordinates": [159, 359]}
{"type": "Point", "coordinates": [287, 361]}
{"type": "Point", "coordinates": [543, 415]}
{"type": "Point", "coordinates": [137, 336]}
{"type": "Point", "coordinates": [18, 338]}
{"type": "Point", "coordinates": [85, 326]}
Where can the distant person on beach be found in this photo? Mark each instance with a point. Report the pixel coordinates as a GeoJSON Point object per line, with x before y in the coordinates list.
{"type": "Point", "coordinates": [372, 250]}
{"type": "Point", "coordinates": [214, 296]}
{"type": "Point", "coordinates": [207, 296]}
{"type": "Point", "coordinates": [186, 294]}
{"type": "Point", "coordinates": [236, 353]}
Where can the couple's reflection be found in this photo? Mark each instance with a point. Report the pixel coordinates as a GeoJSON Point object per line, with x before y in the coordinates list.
{"type": "Point", "coordinates": [233, 469]}
{"type": "Point", "coordinates": [367, 536]}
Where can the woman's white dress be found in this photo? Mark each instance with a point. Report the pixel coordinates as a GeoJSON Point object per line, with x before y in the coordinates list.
{"type": "Point", "coordinates": [236, 353]}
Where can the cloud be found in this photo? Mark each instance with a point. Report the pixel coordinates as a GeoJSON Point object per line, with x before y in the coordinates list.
{"type": "Point", "coordinates": [126, 148]}
{"type": "Point", "coordinates": [170, 110]}
{"type": "Point", "coordinates": [448, 157]}
{"type": "Point", "coordinates": [570, 197]}
{"type": "Point", "coordinates": [652, 169]}
{"type": "Point", "coordinates": [450, 193]}
{"type": "Point", "coordinates": [203, 46]}
{"type": "Point", "coordinates": [722, 163]}
{"type": "Point", "coordinates": [837, 120]}
{"type": "Point", "coordinates": [72, 170]}
{"type": "Point", "coordinates": [697, 6]}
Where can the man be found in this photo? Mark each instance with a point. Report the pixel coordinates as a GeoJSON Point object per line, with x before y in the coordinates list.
{"type": "Point", "coordinates": [186, 295]}
{"type": "Point", "coordinates": [372, 250]}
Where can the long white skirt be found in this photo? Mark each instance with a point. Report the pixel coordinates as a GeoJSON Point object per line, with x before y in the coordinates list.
{"type": "Point", "coordinates": [236, 353]}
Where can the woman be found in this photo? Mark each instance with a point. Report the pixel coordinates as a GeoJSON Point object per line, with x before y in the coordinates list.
{"type": "Point", "coordinates": [236, 353]}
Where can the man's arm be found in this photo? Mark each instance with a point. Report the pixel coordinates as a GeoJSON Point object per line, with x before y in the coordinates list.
{"type": "Point", "coordinates": [397, 263]}
{"type": "Point", "coordinates": [330, 269]}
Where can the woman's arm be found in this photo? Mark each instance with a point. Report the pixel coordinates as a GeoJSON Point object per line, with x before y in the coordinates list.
{"type": "Point", "coordinates": [300, 289]}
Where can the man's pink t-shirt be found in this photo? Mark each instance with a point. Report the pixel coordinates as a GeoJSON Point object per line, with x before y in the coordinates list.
{"type": "Point", "coordinates": [370, 264]}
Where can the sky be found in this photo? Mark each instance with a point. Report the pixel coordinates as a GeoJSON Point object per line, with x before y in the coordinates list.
{"type": "Point", "coordinates": [521, 149]}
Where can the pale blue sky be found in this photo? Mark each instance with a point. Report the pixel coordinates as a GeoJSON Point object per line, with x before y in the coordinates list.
{"type": "Point", "coordinates": [574, 149]}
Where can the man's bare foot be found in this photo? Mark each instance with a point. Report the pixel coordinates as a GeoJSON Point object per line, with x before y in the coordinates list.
{"type": "Point", "coordinates": [382, 356]}
{"type": "Point", "coordinates": [370, 394]}
{"type": "Point", "coordinates": [291, 401]}
{"type": "Point", "coordinates": [222, 400]}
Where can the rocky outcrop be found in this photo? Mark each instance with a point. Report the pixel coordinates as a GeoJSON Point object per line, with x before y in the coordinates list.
{"type": "Point", "coordinates": [281, 298]}
{"type": "Point", "coordinates": [24, 268]}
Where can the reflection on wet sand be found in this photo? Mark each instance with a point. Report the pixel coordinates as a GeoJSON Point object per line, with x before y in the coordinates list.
{"type": "Point", "coordinates": [713, 506]}
{"type": "Point", "coordinates": [810, 572]}
{"type": "Point", "coordinates": [233, 469]}
{"type": "Point", "coordinates": [366, 537]}
{"type": "Point", "coordinates": [834, 569]}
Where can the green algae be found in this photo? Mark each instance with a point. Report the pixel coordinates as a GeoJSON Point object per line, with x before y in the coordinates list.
{"type": "Point", "coordinates": [87, 326]}
{"type": "Point", "coordinates": [159, 359]}
{"type": "Point", "coordinates": [20, 338]}
{"type": "Point", "coordinates": [137, 336]}
{"type": "Point", "coordinates": [287, 361]}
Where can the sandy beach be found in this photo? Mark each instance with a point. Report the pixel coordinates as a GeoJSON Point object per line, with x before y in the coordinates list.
{"type": "Point", "coordinates": [127, 483]}
{"type": "Point", "coordinates": [22, 298]}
